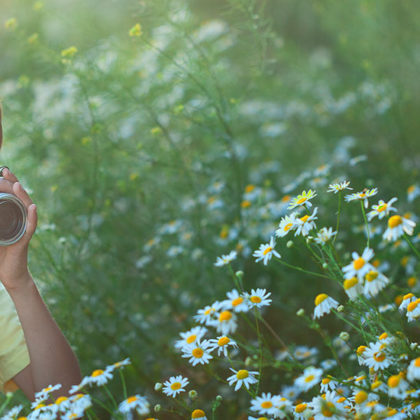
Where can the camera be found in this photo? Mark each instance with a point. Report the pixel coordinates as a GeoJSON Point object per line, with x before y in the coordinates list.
{"type": "Point", "coordinates": [13, 219]}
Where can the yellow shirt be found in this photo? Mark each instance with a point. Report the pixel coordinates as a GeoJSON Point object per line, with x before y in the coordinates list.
{"type": "Point", "coordinates": [14, 355]}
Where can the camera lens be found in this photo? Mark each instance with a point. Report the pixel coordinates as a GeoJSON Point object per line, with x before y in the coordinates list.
{"type": "Point", "coordinates": [12, 219]}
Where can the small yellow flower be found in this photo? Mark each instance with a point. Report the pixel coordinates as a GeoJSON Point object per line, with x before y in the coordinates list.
{"type": "Point", "coordinates": [69, 52]}
{"type": "Point", "coordinates": [135, 30]}
{"type": "Point", "coordinates": [11, 24]}
{"type": "Point", "coordinates": [33, 38]}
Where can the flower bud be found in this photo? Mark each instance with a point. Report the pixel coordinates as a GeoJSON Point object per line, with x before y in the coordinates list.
{"type": "Point", "coordinates": [157, 408]}
{"type": "Point", "coordinates": [324, 265]}
{"type": "Point", "coordinates": [248, 361]}
{"type": "Point", "coordinates": [340, 308]}
{"type": "Point", "coordinates": [290, 244]}
{"type": "Point", "coordinates": [239, 274]}
{"type": "Point", "coordinates": [193, 394]}
{"type": "Point", "coordinates": [300, 312]}
{"type": "Point", "coordinates": [158, 386]}
{"type": "Point", "coordinates": [219, 398]}
{"type": "Point", "coordinates": [344, 336]}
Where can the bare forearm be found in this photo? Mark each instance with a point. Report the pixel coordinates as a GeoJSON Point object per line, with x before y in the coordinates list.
{"type": "Point", "coordinates": [52, 359]}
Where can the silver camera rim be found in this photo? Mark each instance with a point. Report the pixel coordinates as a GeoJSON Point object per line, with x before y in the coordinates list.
{"type": "Point", "coordinates": [19, 203]}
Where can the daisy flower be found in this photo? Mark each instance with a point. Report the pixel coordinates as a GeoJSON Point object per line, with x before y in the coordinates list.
{"type": "Point", "coordinates": [328, 384]}
{"type": "Point", "coordinates": [374, 283]}
{"type": "Point", "coordinates": [364, 195]}
{"type": "Point", "coordinates": [302, 199]}
{"type": "Point", "coordinates": [407, 299]}
{"type": "Point", "coordinates": [397, 225]}
{"type": "Point", "coordinates": [413, 311]}
{"type": "Point", "coordinates": [266, 404]}
{"type": "Point", "coordinates": [12, 413]}
{"type": "Point", "coordinates": [376, 357]}
{"type": "Point", "coordinates": [175, 385]}
{"type": "Point", "coordinates": [198, 415]}
{"type": "Point", "coordinates": [266, 251]}
{"type": "Point", "coordinates": [360, 265]}
{"type": "Point", "coordinates": [413, 371]}
{"type": "Point", "coordinates": [323, 305]}
{"type": "Point", "coordinates": [44, 393]}
{"type": "Point", "coordinates": [197, 352]}
{"type": "Point", "coordinates": [287, 223]}
{"type": "Point", "coordinates": [413, 191]}
{"type": "Point", "coordinates": [225, 259]}
{"type": "Point", "coordinates": [242, 377]}
{"type": "Point", "coordinates": [302, 411]}
{"type": "Point", "coordinates": [397, 386]}
{"type": "Point", "coordinates": [236, 302]}
{"type": "Point", "coordinates": [221, 344]}
{"type": "Point", "coordinates": [306, 223]}
{"type": "Point", "coordinates": [258, 298]}
{"type": "Point", "coordinates": [190, 337]}
{"type": "Point", "coordinates": [324, 235]}
{"type": "Point", "coordinates": [329, 407]}
{"type": "Point", "coordinates": [311, 377]}
{"type": "Point", "coordinates": [382, 209]}
{"type": "Point", "coordinates": [208, 314]}
{"type": "Point", "coordinates": [226, 322]}
{"type": "Point", "coordinates": [352, 287]}
{"type": "Point", "coordinates": [75, 413]}
{"type": "Point", "coordinates": [135, 402]}
{"type": "Point", "coordinates": [98, 377]}
{"type": "Point", "coordinates": [335, 188]}
{"type": "Point", "coordinates": [118, 365]}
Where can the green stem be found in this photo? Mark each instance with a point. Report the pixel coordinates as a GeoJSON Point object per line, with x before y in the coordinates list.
{"type": "Point", "coordinates": [312, 273]}
{"type": "Point", "coordinates": [411, 245]}
{"type": "Point", "coordinates": [338, 216]}
{"type": "Point", "coordinates": [123, 383]}
{"type": "Point", "coordinates": [260, 343]}
{"type": "Point", "coordinates": [366, 222]}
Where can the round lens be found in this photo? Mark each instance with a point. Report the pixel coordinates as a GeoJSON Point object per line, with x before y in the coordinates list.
{"type": "Point", "coordinates": [11, 220]}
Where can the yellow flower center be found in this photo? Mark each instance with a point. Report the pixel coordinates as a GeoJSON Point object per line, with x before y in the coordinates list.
{"type": "Point", "coordinates": [376, 384]}
{"type": "Point", "coordinates": [285, 198]}
{"type": "Point", "coordinates": [132, 399]}
{"type": "Point", "coordinates": [266, 404]}
{"type": "Point", "coordinates": [417, 362]}
{"type": "Point", "coordinates": [326, 381]}
{"type": "Point", "coordinates": [328, 410]}
{"type": "Point", "coordinates": [360, 350]}
{"type": "Point", "coordinates": [225, 316]}
{"type": "Point", "coordinates": [372, 275]}
{"type": "Point", "coordinates": [59, 400]}
{"type": "Point", "coordinates": [97, 372]}
{"type": "Point", "coordinates": [383, 336]}
{"type": "Point", "coordinates": [408, 296]}
{"type": "Point", "coordinates": [304, 218]}
{"type": "Point", "coordinates": [237, 301]}
{"type": "Point", "coordinates": [359, 263]}
{"type": "Point", "coordinates": [208, 311]}
{"type": "Point", "coordinates": [393, 381]}
{"type": "Point", "coordinates": [320, 298]}
{"type": "Point", "coordinates": [300, 408]}
{"type": "Point", "coordinates": [394, 221]}
{"type": "Point", "coordinates": [242, 374]}
{"type": "Point", "coordinates": [411, 306]}
{"type": "Point", "coordinates": [411, 188]}
{"type": "Point", "coordinates": [379, 356]}
{"type": "Point", "coordinates": [196, 414]}
{"type": "Point", "coordinates": [301, 200]}
{"type": "Point", "coordinates": [175, 386]}
{"type": "Point", "coordinates": [255, 299]}
{"type": "Point", "coordinates": [360, 397]}
{"type": "Point", "coordinates": [245, 204]}
{"type": "Point", "coordinates": [287, 227]}
{"type": "Point", "coordinates": [267, 250]}
{"type": "Point", "coordinates": [249, 188]}
{"type": "Point", "coordinates": [198, 353]}
{"type": "Point", "coordinates": [382, 207]}
{"type": "Point", "coordinates": [309, 378]}
{"type": "Point", "coordinates": [223, 341]}
{"type": "Point", "coordinates": [191, 339]}
{"type": "Point", "coordinates": [349, 283]}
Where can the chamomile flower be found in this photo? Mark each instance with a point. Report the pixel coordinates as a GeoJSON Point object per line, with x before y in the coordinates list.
{"type": "Point", "coordinates": [118, 365]}
{"type": "Point", "coordinates": [406, 300]}
{"type": "Point", "coordinates": [222, 344]}
{"type": "Point", "coordinates": [242, 377]}
{"type": "Point", "coordinates": [352, 287]}
{"type": "Point", "coordinates": [397, 386]}
{"type": "Point", "coordinates": [311, 377]}
{"type": "Point", "coordinates": [306, 223]}
{"type": "Point", "coordinates": [135, 402]}
{"type": "Point", "coordinates": [197, 352]}
{"type": "Point", "coordinates": [175, 385]}
{"type": "Point", "coordinates": [382, 209]}
{"type": "Point", "coordinates": [323, 305]}
{"type": "Point", "coordinates": [236, 302]}
{"type": "Point", "coordinates": [198, 415]}
{"type": "Point", "coordinates": [302, 411]}
{"type": "Point", "coordinates": [266, 251]}
{"type": "Point", "coordinates": [360, 265]}
{"type": "Point", "coordinates": [286, 225]}
{"type": "Point", "coordinates": [413, 191]}
{"type": "Point", "coordinates": [413, 310]}
{"type": "Point", "coordinates": [266, 404]}
{"type": "Point", "coordinates": [44, 393]}
{"type": "Point", "coordinates": [98, 377]}
{"type": "Point", "coordinates": [226, 259]}
{"type": "Point", "coordinates": [328, 384]}
{"type": "Point", "coordinates": [208, 314]}
{"type": "Point", "coordinates": [376, 357]}
{"type": "Point", "coordinates": [324, 235]}
{"type": "Point", "coordinates": [12, 413]}
{"type": "Point", "coordinates": [413, 370]}
{"type": "Point", "coordinates": [397, 225]}
{"type": "Point", "coordinates": [190, 336]}
{"type": "Point", "coordinates": [258, 298]}
{"type": "Point", "coordinates": [329, 407]}
{"type": "Point", "coordinates": [335, 188]}
{"type": "Point", "coordinates": [302, 199]}
{"type": "Point", "coordinates": [362, 196]}
{"type": "Point", "coordinates": [374, 283]}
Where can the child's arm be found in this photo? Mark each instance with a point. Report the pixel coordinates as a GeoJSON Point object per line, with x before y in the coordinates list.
{"type": "Point", "coordinates": [52, 360]}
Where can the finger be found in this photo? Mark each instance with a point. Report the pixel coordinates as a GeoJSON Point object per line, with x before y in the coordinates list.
{"type": "Point", "coordinates": [32, 220]}
{"type": "Point", "coordinates": [10, 176]}
{"type": "Point", "coordinates": [20, 192]}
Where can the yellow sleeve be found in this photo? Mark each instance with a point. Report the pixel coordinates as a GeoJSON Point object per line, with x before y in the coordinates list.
{"type": "Point", "coordinates": [14, 355]}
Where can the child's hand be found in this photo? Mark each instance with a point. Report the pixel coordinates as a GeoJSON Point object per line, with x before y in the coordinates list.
{"type": "Point", "coordinates": [14, 258]}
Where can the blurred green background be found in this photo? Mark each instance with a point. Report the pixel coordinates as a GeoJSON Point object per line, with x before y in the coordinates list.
{"type": "Point", "coordinates": [138, 149]}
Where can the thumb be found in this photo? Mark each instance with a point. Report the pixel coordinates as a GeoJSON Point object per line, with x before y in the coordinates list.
{"type": "Point", "coordinates": [32, 221]}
